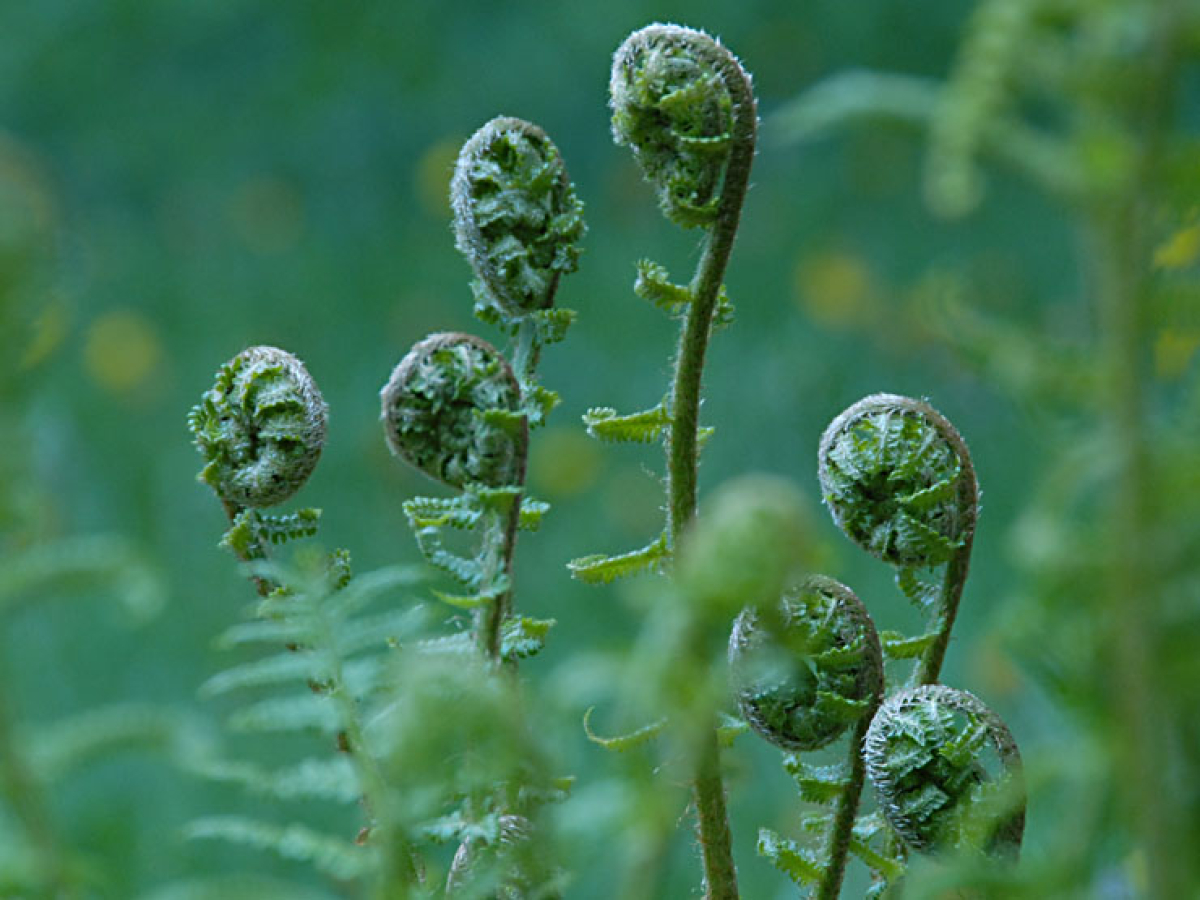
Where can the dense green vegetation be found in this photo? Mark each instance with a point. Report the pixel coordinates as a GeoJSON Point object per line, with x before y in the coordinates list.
{"type": "Point", "coordinates": [994, 207]}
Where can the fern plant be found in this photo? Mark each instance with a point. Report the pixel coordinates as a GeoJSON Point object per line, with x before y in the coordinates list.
{"type": "Point", "coordinates": [459, 411]}
{"type": "Point", "coordinates": [1088, 104]}
{"type": "Point", "coordinates": [899, 482]}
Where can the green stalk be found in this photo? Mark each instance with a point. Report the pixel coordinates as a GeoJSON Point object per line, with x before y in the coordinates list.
{"type": "Point", "coordinates": [720, 875]}
{"type": "Point", "coordinates": [847, 809]}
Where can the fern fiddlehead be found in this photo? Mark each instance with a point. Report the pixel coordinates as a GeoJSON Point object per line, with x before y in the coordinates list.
{"type": "Point", "coordinates": [898, 480]}
{"type": "Point", "coordinates": [802, 676]}
{"type": "Point", "coordinates": [260, 429]}
{"type": "Point", "coordinates": [947, 771]}
{"type": "Point", "coordinates": [683, 105]}
{"type": "Point", "coordinates": [516, 218]}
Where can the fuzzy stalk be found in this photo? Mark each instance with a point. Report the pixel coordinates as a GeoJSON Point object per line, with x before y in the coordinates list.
{"type": "Point", "coordinates": [844, 815]}
{"type": "Point", "coordinates": [720, 875]}
{"type": "Point", "coordinates": [953, 581]}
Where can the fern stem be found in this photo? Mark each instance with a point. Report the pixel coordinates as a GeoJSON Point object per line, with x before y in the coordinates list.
{"type": "Point", "coordinates": [847, 809]}
{"type": "Point", "coordinates": [255, 552]}
{"type": "Point", "coordinates": [720, 874]}
{"type": "Point", "coordinates": [958, 567]}
{"type": "Point", "coordinates": [953, 582]}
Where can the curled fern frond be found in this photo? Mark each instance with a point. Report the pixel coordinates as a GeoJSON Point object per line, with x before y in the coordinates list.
{"type": "Point", "coordinates": [260, 428]}
{"type": "Point", "coordinates": [677, 96]}
{"type": "Point", "coordinates": [806, 671]}
{"type": "Point", "coordinates": [436, 409]}
{"type": "Point", "coordinates": [947, 771]}
{"type": "Point", "coordinates": [898, 480]}
{"type": "Point", "coordinates": [516, 217]}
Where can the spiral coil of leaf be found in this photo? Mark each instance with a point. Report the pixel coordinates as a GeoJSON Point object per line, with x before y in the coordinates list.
{"type": "Point", "coordinates": [516, 217]}
{"type": "Point", "coordinates": [807, 670]}
{"type": "Point", "coordinates": [450, 408]}
{"type": "Point", "coordinates": [675, 94]}
{"type": "Point", "coordinates": [260, 428]}
{"type": "Point", "coordinates": [927, 752]}
{"type": "Point", "coordinates": [898, 480]}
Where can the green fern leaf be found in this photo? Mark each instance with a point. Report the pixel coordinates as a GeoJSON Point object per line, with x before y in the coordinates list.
{"type": "Point", "coordinates": [729, 728]}
{"type": "Point", "coordinates": [330, 779]}
{"type": "Point", "coordinates": [599, 569]}
{"type": "Point", "coordinates": [643, 427]}
{"type": "Point", "coordinates": [435, 512]}
{"type": "Point", "coordinates": [62, 747]}
{"type": "Point", "coordinates": [75, 565]}
{"type": "Point", "coordinates": [887, 867]}
{"type": "Point", "coordinates": [817, 784]}
{"type": "Point", "coordinates": [531, 513]}
{"type": "Point", "coordinates": [897, 646]}
{"type": "Point", "coordinates": [623, 742]}
{"type": "Point", "coordinates": [798, 863]}
{"type": "Point", "coordinates": [552, 324]}
{"type": "Point", "coordinates": [653, 283]}
{"type": "Point", "coordinates": [282, 668]}
{"type": "Point", "coordinates": [326, 853]}
{"type": "Point", "coordinates": [523, 637]}
{"type": "Point", "coordinates": [301, 712]}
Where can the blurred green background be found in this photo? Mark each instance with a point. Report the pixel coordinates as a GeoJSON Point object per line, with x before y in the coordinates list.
{"type": "Point", "coordinates": [192, 178]}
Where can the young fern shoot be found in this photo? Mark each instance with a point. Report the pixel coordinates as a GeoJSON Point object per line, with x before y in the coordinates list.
{"type": "Point", "coordinates": [459, 411]}
{"type": "Point", "coordinates": [684, 106]}
{"type": "Point", "coordinates": [455, 407]}
{"type": "Point", "coordinates": [898, 480]}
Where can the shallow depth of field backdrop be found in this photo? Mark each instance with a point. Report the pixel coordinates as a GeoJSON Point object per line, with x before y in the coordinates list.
{"type": "Point", "coordinates": [192, 178]}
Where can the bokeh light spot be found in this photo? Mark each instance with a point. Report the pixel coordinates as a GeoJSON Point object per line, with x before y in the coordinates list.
{"type": "Point", "coordinates": [121, 351]}
{"type": "Point", "coordinates": [563, 463]}
{"type": "Point", "coordinates": [835, 288]}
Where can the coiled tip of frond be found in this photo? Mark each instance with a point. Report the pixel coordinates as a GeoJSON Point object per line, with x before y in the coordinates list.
{"type": "Point", "coordinates": [947, 771]}
{"type": "Point", "coordinates": [517, 219]}
{"type": "Point", "coordinates": [682, 103]}
{"type": "Point", "coordinates": [260, 428]}
{"type": "Point", "coordinates": [898, 479]}
{"type": "Point", "coordinates": [451, 409]}
{"type": "Point", "coordinates": [807, 669]}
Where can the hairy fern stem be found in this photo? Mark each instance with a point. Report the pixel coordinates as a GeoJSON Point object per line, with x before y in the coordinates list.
{"type": "Point", "coordinates": [720, 874]}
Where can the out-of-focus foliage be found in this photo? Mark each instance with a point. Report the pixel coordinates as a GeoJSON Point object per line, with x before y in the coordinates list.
{"type": "Point", "coordinates": [1010, 229]}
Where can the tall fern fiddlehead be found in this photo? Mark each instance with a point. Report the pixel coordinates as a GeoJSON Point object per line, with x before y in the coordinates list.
{"type": "Point", "coordinates": [516, 218]}
{"type": "Point", "coordinates": [683, 104]}
{"type": "Point", "coordinates": [898, 480]}
{"type": "Point", "coordinates": [947, 771]}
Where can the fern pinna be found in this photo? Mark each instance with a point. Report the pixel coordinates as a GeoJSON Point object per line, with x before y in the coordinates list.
{"type": "Point", "coordinates": [899, 481]}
